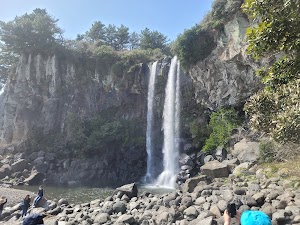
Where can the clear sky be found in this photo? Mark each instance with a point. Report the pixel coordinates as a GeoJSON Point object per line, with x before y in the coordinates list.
{"type": "Point", "coordinates": [170, 17]}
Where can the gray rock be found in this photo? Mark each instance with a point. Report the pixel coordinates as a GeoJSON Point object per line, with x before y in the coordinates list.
{"type": "Point", "coordinates": [214, 209]}
{"type": "Point", "coordinates": [200, 201]}
{"type": "Point", "coordinates": [208, 158]}
{"type": "Point", "coordinates": [130, 190]}
{"type": "Point", "coordinates": [41, 153]}
{"type": "Point", "coordinates": [119, 206]}
{"type": "Point", "coordinates": [101, 218]}
{"type": "Point", "coordinates": [205, 221]}
{"type": "Point", "coordinates": [191, 213]}
{"type": "Point", "coordinates": [191, 183]}
{"type": "Point", "coordinates": [62, 201]}
{"type": "Point", "coordinates": [239, 191]}
{"type": "Point", "coordinates": [5, 170]}
{"type": "Point", "coordinates": [215, 169]}
{"type": "Point", "coordinates": [259, 198]}
{"type": "Point", "coordinates": [222, 205]}
{"type": "Point", "coordinates": [187, 201]}
{"type": "Point", "coordinates": [164, 218]}
{"type": "Point", "coordinates": [19, 165]}
{"type": "Point", "coordinates": [35, 178]}
{"type": "Point", "coordinates": [247, 151]}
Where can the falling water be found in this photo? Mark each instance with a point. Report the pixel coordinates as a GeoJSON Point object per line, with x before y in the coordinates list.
{"type": "Point", "coordinates": [171, 129]}
{"type": "Point", "coordinates": [151, 91]}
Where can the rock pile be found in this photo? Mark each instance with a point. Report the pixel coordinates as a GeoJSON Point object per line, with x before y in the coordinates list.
{"type": "Point", "coordinates": [200, 201]}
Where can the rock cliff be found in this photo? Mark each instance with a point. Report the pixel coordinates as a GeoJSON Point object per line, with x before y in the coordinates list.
{"type": "Point", "coordinates": [40, 94]}
{"type": "Point", "coordinates": [42, 90]}
{"type": "Point", "coordinates": [227, 76]}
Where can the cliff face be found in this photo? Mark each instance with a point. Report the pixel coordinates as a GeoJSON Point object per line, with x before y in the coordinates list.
{"type": "Point", "coordinates": [227, 76]}
{"type": "Point", "coordinates": [39, 96]}
{"type": "Point", "coordinates": [44, 89]}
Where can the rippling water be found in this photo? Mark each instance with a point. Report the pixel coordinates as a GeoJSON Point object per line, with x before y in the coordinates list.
{"type": "Point", "coordinates": [75, 195]}
{"type": "Point", "coordinates": [79, 195]}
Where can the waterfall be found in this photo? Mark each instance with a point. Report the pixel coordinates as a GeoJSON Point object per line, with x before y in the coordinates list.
{"type": "Point", "coordinates": [151, 91]}
{"type": "Point", "coordinates": [171, 127]}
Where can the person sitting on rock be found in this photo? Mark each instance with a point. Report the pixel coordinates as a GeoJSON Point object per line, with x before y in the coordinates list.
{"type": "Point", "coordinates": [249, 217]}
{"type": "Point", "coordinates": [25, 205]}
{"type": "Point", "coordinates": [39, 196]}
{"type": "Point", "coordinates": [3, 200]}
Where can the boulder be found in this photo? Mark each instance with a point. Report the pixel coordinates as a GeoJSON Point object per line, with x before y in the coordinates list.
{"type": "Point", "coordinates": [5, 170]}
{"type": "Point", "coordinates": [119, 206]}
{"type": "Point", "coordinates": [191, 183]}
{"type": "Point", "coordinates": [129, 189]}
{"type": "Point", "coordinates": [101, 218]}
{"type": "Point", "coordinates": [35, 178]}
{"type": "Point", "coordinates": [185, 160]}
{"type": "Point", "coordinates": [215, 169]}
{"type": "Point", "coordinates": [19, 165]}
{"type": "Point", "coordinates": [62, 201]}
{"type": "Point", "coordinates": [246, 151]}
{"type": "Point", "coordinates": [128, 219]}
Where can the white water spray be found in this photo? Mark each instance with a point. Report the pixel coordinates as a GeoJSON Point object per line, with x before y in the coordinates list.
{"type": "Point", "coordinates": [149, 141]}
{"type": "Point", "coordinates": [171, 127]}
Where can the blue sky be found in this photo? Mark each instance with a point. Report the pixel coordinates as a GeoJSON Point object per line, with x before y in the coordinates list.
{"type": "Point", "coordinates": [170, 17]}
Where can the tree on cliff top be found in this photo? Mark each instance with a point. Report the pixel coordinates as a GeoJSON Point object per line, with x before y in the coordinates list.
{"type": "Point", "coordinates": [30, 33]}
{"type": "Point", "coordinates": [276, 109]}
{"type": "Point", "coordinates": [153, 40]}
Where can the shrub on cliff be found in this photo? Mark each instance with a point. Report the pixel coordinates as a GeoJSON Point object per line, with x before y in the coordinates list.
{"type": "Point", "coordinates": [222, 11]}
{"type": "Point", "coordinates": [221, 125]}
{"type": "Point", "coordinates": [196, 43]}
{"type": "Point", "coordinates": [193, 45]}
{"type": "Point", "coordinates": [102, 133]}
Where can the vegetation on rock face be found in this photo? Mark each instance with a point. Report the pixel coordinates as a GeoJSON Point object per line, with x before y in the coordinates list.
{"type": "Point", "coordinates": [270, 150]}
{"type": "Point", "coordinates": [196, 43]}
{"type": "Point", "coordinates": [276, 109]}
{"type": "Point", "coordinates": [102, 133]}
{"type": "Point", "coordinates": [221, 125]}
{"type": "Point", "coordinates": [222, 12]}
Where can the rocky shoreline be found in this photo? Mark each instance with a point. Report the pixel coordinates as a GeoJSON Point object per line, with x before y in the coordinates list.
{"type": "Point", "coordinates": [200, 200]}
{"type": "Point", "coordinates": [14, 196]}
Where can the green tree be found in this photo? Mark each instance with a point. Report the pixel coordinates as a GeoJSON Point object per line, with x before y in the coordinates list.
{"type": "Point", "coordinates": [97, 32]}
{"type": "Point", "coordinates": [152, 40]}
{"type": "Point", "coordinates": [122, 37]}
{"type": "Point", "coordinates": [276, 108]}
{"type": "Point", "coordinates": [193, 45]}
{"type": "Point", "coordinates": [221, 124]}
{"type": "Point", "coordinates": [110, 35]}
{"type": "Point", "coordinates": [134, 41]}
{"type": "Point", "coordinates": [30, 33]}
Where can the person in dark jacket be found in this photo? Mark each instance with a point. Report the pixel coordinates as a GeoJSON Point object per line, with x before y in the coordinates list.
{"type": "Point", "coordinates": [39, 196]}
{"type": "Point", "coordinates": [34, 219]}
{"type": "Point", "coordinates": [3, 200]}
{"type": "Point", "coordinates": [25, 205]}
